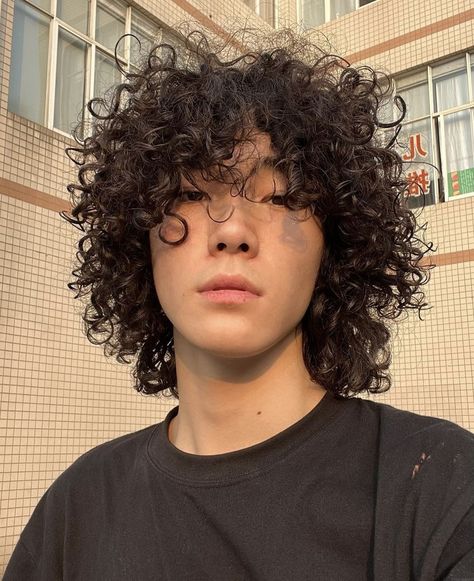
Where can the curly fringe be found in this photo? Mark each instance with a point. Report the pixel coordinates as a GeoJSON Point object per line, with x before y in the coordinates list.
{"type": "Point", "coordinates": [187, 108]}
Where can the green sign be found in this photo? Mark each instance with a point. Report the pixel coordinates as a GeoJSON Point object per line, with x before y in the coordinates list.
{"type": "Point", "coordinates": [461, 182]}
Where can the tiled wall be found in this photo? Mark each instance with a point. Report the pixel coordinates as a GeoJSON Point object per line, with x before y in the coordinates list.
{"type": "Point", "coordinates": [433, 363]}
{"type": "Point", "coordinates": [400, 34]}
{"type": "Point", "coordinates": [60, 396]}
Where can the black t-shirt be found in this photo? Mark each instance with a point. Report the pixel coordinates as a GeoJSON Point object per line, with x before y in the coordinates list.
{"type": "Point", "coordinates": [354, 490]}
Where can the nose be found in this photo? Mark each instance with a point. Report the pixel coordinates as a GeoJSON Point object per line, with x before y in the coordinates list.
{"type": "Point", "coordinates": [230, 229]}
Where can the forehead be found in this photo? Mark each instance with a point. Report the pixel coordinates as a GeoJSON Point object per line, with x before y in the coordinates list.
{"type": "Point", "coordinates": [248, 159]}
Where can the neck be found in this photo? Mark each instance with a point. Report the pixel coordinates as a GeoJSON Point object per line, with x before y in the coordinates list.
{"type": "Point", "coordinates": [227, 404]}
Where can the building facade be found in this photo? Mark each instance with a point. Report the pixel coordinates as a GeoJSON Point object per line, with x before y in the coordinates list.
{"type": "Point", "coordinates": [60, 396]}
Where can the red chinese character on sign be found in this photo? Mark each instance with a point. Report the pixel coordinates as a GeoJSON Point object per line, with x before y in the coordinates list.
{"type": "Point", "coordinates": [419, 182]}
{"type": "Point", "coordinates": [415, 148]}
{"type": "Point", "coordinates": [455, 182]}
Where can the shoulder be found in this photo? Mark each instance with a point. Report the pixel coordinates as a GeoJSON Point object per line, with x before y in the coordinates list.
{"type": "Point", "coordinates": [422, 452]}
{"type": "Point", "coordinates": [425, 488]}
{"type": "Point", "coordinates": [79, 499]}
{"type": "Point", "coordinates": [425, 458]}
{"type": "Point", "coordinates": [108, 470]}
{"type": "Point", "coordinates": [117, 447]}
{"type": "Point", "coordinates": [114, 461]}
{"type": "Point", "coordinates": [399, 429]}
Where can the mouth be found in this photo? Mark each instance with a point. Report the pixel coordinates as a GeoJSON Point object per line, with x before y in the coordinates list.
{"type": "Point", "coordinates": [228, 283]}
{"type": "Point", "coordinates": [229, 296]}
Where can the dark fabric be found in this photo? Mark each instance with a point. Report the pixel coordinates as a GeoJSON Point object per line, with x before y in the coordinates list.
{"type": "Point", "coordinates": [354, 490]}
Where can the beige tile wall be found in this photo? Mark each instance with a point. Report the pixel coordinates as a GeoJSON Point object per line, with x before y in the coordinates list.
{"type": "Point", "coordinates": [361, 35]}
{"type": "Point", "coordinates": [433, 363]}
{"type": "Point", "coordinates": [60, 396]}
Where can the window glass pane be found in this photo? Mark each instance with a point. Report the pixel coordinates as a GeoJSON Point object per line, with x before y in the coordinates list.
{"type": "Point", "coordinates": [70, 85]}
{"type": "Point", "coordinates": [312, 13]}
{"type": "Point", "coordinates": [415, 148]}
{"type": "Point", "coordinates": [75, 13]}
{"type": "Point", "coordinates": [267, 11]}
{"type": "Point", "coordinates": [106, 74]}
{"type": "Point", "coordinates": [417, 101]}
{"type": "Point", "coordinates": [44, 4]}
{"type": "Point", "coordinates": [110, 24]}
{"type": "Point", "coordinates": [250, 3]}
{"type": "Point", "coordinates": [450, 90]}
{"type": "Point", "coordinates": [148, 33]}
{"type": "Point", "coordinates": [472, 77]}
{"type": "Point", "coordinates": [414, 78]}
{"type": "Point", "coordinates": [458, 132]}
{"type": "Point", "coordinates": [387, 112]}
{"type": "Point", "coordinates": [450, 66]}
{"type": "Point", "coordinates": [341, 7]}
{"type": "Point", "coordinates": [27, 92]}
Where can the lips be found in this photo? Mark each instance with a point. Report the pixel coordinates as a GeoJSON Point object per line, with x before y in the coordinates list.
{"type": "Point", "coordinates": [230, 282]}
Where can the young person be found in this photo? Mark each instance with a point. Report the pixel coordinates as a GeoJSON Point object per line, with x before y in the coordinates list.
{"type": "Point", "coordinates": [246, 236]}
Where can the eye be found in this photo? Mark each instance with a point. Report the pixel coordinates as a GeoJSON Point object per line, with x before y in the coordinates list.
{"type": "Point", "coordinates": [275, 199]}
{"type": "Point", "coordinates": [191, 195]}
{"type": "Point", "coordinates": [278, 200]}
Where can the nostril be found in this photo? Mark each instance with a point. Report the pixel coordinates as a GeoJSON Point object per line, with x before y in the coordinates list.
{"type": "Point", "coordinates": [244, 246]}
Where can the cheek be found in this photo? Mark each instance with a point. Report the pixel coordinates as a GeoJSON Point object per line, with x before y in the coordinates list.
{"type": "Point", "coordinates": [303, 242]}
{"type": "Point", "coordinates": [172, 229]}
{"type": "Point", "coordinates": [168, 286]}
{"type": "Point", "coordinates": [302, 250]}
{"type": "Point", "coordinates": [161, 262]}
{"type": "Point", "coordinates": [172, 268]}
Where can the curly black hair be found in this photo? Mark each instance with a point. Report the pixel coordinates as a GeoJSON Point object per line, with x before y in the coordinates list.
{"type": "Point", "coordinates": [185, 109]}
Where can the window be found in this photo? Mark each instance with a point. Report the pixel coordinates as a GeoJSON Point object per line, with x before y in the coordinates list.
{"type": "Point", "coordinates": [439, 130]}
{"type": "Point", "coordinates": [264, 8]}
{"type": "Point", "coordinates": [63, 55]}
{"type": "Point", "coordinates": [316, 12]}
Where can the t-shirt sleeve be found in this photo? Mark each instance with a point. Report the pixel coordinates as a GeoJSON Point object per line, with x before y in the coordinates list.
{"type": "Point", "coordinates": [38, 555]}
{"type": "Point", "coordinates": [22, 565]}
{"type": "Point", "coordinates": [426, 494]}
{"type": "Point", "coordinates": [457, 559]}
{"type": "Point", "coordinates": [447, 501]}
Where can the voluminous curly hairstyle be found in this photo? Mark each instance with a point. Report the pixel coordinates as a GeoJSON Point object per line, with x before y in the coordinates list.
{"type": "Point", "coordinates": [185, 110]}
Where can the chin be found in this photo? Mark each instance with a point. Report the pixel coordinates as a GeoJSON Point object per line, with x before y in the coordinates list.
{"type": "Point", "coordinates": [230, 345]}
{"type": "Point", "coordinates": [250, 339]}
{"type": "Point", "coordinates": [232, 351]}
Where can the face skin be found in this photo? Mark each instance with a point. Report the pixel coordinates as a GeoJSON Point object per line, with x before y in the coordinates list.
{"type": "Point", "coordinates": [241, 376]}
